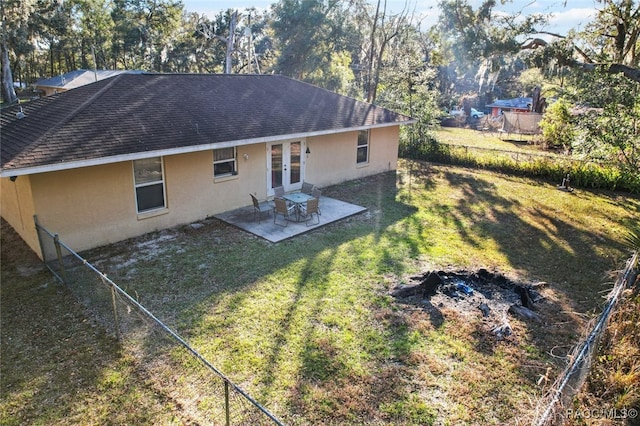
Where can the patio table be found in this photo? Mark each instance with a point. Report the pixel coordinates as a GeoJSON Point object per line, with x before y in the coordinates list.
{"type": "Point", "coordinates": [298, 199]}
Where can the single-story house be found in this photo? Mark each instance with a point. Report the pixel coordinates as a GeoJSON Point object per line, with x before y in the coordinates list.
{"type": "Point", "coordinates": [512, 105]}
{"type": "Point", "coordinates": [74, 79]}
{"type": "Point", "coordinates": [141, 152]}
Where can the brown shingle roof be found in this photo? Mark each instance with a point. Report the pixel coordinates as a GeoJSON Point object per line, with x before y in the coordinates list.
{"type": "Point", "coordinates": [133, 115]}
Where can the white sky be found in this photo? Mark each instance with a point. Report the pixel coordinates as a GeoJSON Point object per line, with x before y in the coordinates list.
{"type": "Point", "coordinates": [575, 14]}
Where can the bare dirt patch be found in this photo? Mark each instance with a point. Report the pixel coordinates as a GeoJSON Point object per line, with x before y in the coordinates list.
{"type": "Point", "coordinates": [481, 295]}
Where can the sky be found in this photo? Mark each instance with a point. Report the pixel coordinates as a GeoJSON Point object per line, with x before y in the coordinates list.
{"type": "Point", "coordinates": [575, 14]}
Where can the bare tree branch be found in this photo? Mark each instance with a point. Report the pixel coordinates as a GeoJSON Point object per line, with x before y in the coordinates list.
{"type": "Point", "coordinates": [629, 72]}
{"type": "Point", "coordinates": [533, 43]}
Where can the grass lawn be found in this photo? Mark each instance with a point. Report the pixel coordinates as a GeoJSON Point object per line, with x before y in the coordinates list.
{"type": "Point", "coordinates": [489, 140]}
{"type": "Point", "coordinates": [57, 366]}
{"type": "Point", "coordinates": [307, 326]}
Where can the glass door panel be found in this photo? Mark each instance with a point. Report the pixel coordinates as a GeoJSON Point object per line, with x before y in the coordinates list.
{"type": "Point", "coordinates": [285, 166]}
{"type": "Point", "coordinates": [295, 161]}
{"type": "Point", "coordinates": [276, 165]}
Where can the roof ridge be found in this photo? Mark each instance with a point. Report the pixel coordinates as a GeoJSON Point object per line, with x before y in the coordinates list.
{"type": "Point", "coordinates": [76, 111]}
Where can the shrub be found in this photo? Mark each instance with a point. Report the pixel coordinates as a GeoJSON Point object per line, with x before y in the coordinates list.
{"type": "Point", "coordinates": [558, 129]}
{"type": "Point", "coordinates": [551, 169]}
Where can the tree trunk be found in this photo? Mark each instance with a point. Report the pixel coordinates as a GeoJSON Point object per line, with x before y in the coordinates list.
{"type": "Point", "coordinates": [373, 91]}
{"type": "Point", "coordinates": [370, 66]}
{"type": "Point", "coordinates": [8, 91]}
{"type": "Point", "coordinates": [231, 40]}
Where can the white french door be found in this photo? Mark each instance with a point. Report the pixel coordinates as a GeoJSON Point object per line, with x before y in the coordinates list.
{"type": "Point", "coordinates": [285, 165]}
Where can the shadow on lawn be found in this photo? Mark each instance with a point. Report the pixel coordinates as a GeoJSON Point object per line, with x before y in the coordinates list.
{"type": "Point", "coordinates": [541, 244]}
{"type": "Point", "coordinates": [535, 238]}
{"type": "Point", "coordinates": [180, 274]}
{"type": "Point", "coordinates": [54, 360]}
{"type": "Point", "coordinates": [186, 277]}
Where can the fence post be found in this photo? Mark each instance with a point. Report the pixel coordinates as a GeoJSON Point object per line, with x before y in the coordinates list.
{"type": "Point", "coordinates": [115, 311]}
{"type": "Point", "coordinates": [35, 221]}
{"type": "Point", "coordinates": [56, 242]}
{"type": "Point", "coordinates": [226, 403]}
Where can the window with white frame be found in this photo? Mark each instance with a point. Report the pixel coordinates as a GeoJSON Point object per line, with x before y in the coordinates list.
{"type": "Point", "coordinates": [149, 184]}
{"type": "Point", "coordinates": [224, 162]}
{"type": "Point", "coordinates": [363, 147]}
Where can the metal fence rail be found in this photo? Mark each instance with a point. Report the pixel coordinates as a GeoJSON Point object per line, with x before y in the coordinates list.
{"type": "Point", "coordinates": [551, 410]}
{"type": "Point", "coordinates": [174, 366]}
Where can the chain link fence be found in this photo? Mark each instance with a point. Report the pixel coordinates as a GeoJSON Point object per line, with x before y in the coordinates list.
{"type": "Point", "coordinates": [169, 364]}
{"type": "Point", "coordinates": [555, 406]}
{"type": "Point", "coordinates": [517, 156]}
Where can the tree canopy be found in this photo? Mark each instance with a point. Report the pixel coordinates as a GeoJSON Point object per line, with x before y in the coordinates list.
{"type": "Point", "coordinates": [356, 47]}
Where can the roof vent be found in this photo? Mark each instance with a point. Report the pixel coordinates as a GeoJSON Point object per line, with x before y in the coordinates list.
{"type": "Point", "coordinates": [20, 114]}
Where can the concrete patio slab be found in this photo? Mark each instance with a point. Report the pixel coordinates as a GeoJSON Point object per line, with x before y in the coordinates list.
{"type": "Point", "coordinates": [332, 211]}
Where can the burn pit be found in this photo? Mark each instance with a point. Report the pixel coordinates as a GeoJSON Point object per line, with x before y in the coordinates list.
{"type": "Point", "coordinates": [486, 295]}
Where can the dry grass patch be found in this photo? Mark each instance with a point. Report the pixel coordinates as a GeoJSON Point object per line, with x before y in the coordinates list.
{"type": "Point", "coordinates": [308, 326]}
{"type": "Point", "coordinates": [57, 365]}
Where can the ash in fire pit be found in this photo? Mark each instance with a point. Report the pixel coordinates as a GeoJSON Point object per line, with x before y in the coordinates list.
{"type": "Point", "coordinates": [482, 293]}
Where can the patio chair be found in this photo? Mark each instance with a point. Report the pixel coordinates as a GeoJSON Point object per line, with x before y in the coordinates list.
{"type": "Point", "coordinates": [259, 208]}
{"type": "Point", "coordinates": [316, 193]}
{"type": "Point", "coordinates": [281, 208]}
{"type": "Point", "coordinates": [307, 188]}
{"type": "Point", "coordinates": [278, 191]}
{"type": "Point", "coordinates": [308, 209]}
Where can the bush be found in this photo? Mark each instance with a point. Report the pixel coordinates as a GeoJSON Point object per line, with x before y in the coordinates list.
{"type": "Point", "coordinates": [551, 169]}
{"type": "Point", "coordinates": [558, 129]}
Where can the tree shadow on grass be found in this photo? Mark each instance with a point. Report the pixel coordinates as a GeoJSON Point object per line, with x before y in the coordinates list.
{"type": "Point", "coordinates": [179, 275]}
{"type": "Point", "coordinates": [534, 237]}
{"type": "Point", "coordinates": [56, 364]}
{"type": "Point", "coordinates": [201, 280]}
{"type": "Point", "coordinates": [541, 243]}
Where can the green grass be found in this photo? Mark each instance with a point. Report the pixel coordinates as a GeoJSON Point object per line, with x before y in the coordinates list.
{"type": "Point", "coordinates": [470, 148]}
{"type": "Point", "coordinates": [57, 366]}
{"type": "Point", "coordinates": [488, 140]}
{"type": "Point", "coordinates": [308, 328]}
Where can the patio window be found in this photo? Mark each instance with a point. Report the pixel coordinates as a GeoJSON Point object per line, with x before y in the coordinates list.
{"type": "Point", "coordinates": [362, 156]}
{"type": "Point", "coordinates": [224, 162]}
{"type": "Point", "coordinates": [149, 184]}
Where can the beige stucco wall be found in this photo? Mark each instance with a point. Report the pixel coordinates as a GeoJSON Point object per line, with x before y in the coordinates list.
{"type": "Point", "coordinates": [333, 157]}
{"type": "Point", "coordinates": [16, 207]}
{"type": "Point", "coordinates": [94, 206]}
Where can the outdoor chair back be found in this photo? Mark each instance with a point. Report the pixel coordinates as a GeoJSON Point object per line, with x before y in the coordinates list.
{"type": "Point", "coordinates": [281, 208]}
{"type": "Point", "coordinates": [308, 209]}
{"type": "Point", "coordinates": [258, 208]}
{"type": "Point", "coordinates": [307, 188]}
{"type": "Point", "coordinates": [316, 193]}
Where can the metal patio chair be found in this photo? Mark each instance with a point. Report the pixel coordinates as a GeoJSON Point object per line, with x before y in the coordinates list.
{"type": "Point", "coordinates": [278, 191]}
{"type": "Point", "coordinates": [281, 208]}
{"type": "Point", "coordinates": [259, 208]}
{"type": "Point", "coordinates": [308, 209]}
{"type": "Point", "coordinates": [316, 193]}
{"type": "Point", "coordinates": [307, 188]}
